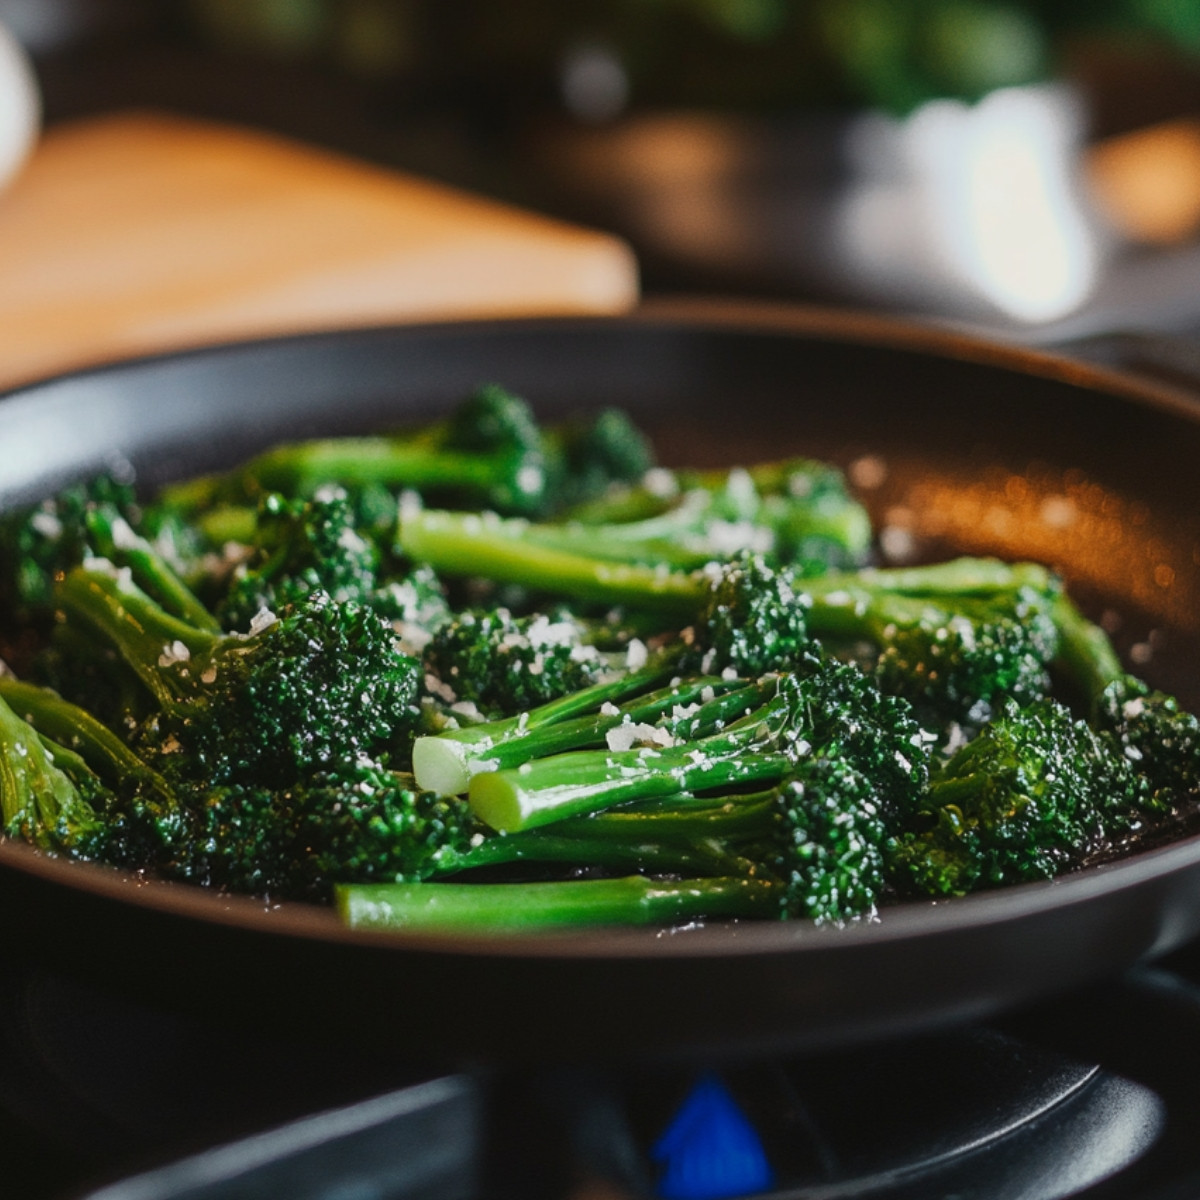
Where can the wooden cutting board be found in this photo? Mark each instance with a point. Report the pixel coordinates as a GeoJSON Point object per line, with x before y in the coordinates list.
{"type": "Point", "coordinates": [137, 233]}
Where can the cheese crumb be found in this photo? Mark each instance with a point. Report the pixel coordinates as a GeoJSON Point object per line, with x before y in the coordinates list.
{"type": "Point", "coordinates": [443, 691]}
{"type": "Point", "coordinates": [172, 653]}
{"type": "Point", "coordinates": [263, 619]}
{"type": "Point", "coordinates": [628, 735]}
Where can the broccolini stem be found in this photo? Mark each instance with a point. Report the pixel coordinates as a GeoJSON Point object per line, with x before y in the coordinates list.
{"type": "Point", "coordinates": [33, 788]}
{"type": "Point", "coordinates": [853, 604]}
{"type": "Point", "coordinates": [496, 548]}
{"type": "Point", "coordinates": [76, 729]}
{"type": "Point", "coordinates": [670, 538]}
{"type": "Point", "coordinates": [587, 781]}
{"type": "Point", "coordinates": [225, 523]}
{"type": "Point", "coordinates": [799, 502]}
{"type": "Point", "coordinates": [963, 576]}
{"type": "Point", "coordinates": [1084, 651]}
{"type": "Point", "coordinates": [117, 541]}
{"type": "Point", "coordinates": [498, 907]}
{"type": "Point", "coordinates": [139, 628]}
{"type": "Point", "coordinates": [446, 762]}
{"type": "Point", "coordinates": [299, 468]}
{"type": "Point", "coordinates": [683, 816]}
{"type": "Point", "coordinates": [631, 852]}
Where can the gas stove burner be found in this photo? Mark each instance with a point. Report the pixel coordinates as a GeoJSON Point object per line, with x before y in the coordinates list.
{"type": "Point", "coordinates": [972, 1112]}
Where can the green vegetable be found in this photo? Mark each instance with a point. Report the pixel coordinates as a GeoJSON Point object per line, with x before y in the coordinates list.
{"type": "Point", "coordinates": [788, 717]}
{"type": "Point", "coordinates": [321, 683]}
{"type": "Point", "coordinates": [790, 513]}
{"type": "Point", "coordinates": [48, 796]}
{"type": "Point", "coordinates": [626, 694]}
{"type": "Point", "coordinates": [811, 849]}
{"type": "Point", "coordinates": [506, 664]}
{"type": "Point", "coordinates": [301, 547]}
{"type": "Point", "coordinates": [492, 907]}
{"type": "Point", "coordinates": [956, 638]}
{"type": "Point", "coordinates": [69, 786]}
{"type": "Point", "coordinates": [446, 761]}
{"type": "Point", "coordinates": [1035, 793]}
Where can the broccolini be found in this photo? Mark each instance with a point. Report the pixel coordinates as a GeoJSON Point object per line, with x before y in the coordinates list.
{"type": "Point", "coordinates": [320, 682]}
{"type": "Point", "coordinates": [586, 689]}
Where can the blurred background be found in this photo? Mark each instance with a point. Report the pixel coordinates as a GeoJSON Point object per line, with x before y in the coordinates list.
{"type": "Point", "coordinates": [1029, 169]}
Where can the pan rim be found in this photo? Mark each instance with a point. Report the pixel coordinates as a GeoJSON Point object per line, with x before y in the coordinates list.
{"type": "Point", "coordinates": [895, 924]}
{"type": "Point", "coordinates": [943, 340]}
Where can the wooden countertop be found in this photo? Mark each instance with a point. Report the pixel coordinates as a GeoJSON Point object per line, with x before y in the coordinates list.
{"type": "Point", "coordinates": [136, 233]}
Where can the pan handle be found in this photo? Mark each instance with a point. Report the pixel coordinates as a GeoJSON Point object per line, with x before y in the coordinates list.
{"type": "Point", "coordinates": [1164, 357]}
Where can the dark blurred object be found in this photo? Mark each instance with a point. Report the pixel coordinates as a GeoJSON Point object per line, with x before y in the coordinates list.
{"type": "Point", "coordinates": [975, 211]}
{"type": "Point", "coordinates": [641, 55]}
{"type": "Point", "coordinates": [724, 138]}
{"type": "Point", "coordinates": [762, 54]}
{"type": "Point", "coordinates": [49, 26]}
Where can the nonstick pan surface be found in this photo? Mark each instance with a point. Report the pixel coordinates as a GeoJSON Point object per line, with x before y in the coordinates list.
{"type": "Point", "coordinates": [956, 445]}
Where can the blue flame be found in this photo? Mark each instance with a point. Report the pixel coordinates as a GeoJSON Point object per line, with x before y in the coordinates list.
{"type": "Point", "coordinates": [710, 1150]}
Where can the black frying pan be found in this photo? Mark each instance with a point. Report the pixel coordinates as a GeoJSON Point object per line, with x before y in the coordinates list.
{"type": "Point", "coordinates": [966, 447]}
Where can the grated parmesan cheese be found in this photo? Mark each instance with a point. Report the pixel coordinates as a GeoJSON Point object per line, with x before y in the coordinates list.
{"type": "Point", "coordinates": [626, 736]}
{"type": "Point", "coordinates": [263, 619]}
{"type": "Point", "coordinates": [443, 691]}
{"type": "Point", "coordinates": [172, 653]}
{"type": "Point", "coordinates": [47, 524]}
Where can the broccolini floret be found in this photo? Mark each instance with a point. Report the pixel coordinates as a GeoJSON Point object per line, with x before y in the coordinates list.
{"type": "Point", "coordinates": [504, 664]}
{"type": "Point", "coordinates": [1032, 795]}
{"type": "Point", "coordinates": [829, 848]}
{"type": "Point", "coordinates": [39, 544]}
{"type": "Point", "coordinates": [591, 456]}
{"type": "Point", "coordinates": [320, 683]}
{"type": "Point", "coordinates": [357, 821]}
{"type": "Point", "coordinates": [752, 620]}
{"type": "Point", "coordinates": [956, 638]}
{"type": "Point", "coordinates": [300, 547]}
{"type": "Point", "coordinates": [1150, 728]}
{"type": "Point", "coordinates": [1158, 737]}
